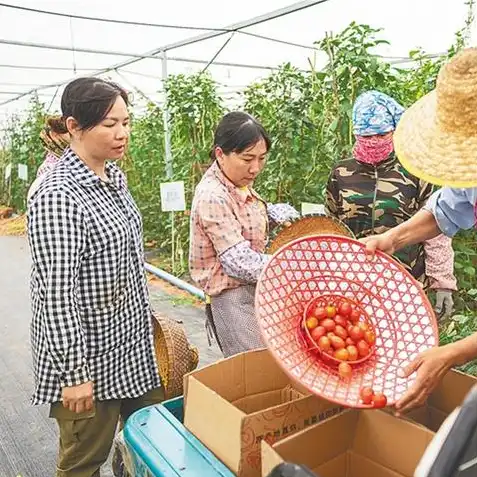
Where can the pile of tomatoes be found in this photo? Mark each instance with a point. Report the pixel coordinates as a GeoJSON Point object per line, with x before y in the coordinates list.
{"type": "Point", "coordinates": [340, 331]}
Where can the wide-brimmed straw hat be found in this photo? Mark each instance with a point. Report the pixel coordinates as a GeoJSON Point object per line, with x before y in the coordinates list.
{"type": "Point", "coordinates": [436, 139]}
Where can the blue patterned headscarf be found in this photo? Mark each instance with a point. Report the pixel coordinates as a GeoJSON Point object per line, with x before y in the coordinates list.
{"type": "Point", "coordinates": [375, 113]}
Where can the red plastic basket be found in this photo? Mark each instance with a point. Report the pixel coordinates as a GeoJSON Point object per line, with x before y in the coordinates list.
{"type": "Point", "coordinates": [401, 315]}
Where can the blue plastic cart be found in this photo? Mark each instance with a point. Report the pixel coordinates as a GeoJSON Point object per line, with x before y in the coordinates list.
{"type": "Point", "coordinates": [160, 446]}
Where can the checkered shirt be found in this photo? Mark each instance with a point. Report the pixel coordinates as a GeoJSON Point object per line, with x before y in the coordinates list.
{"type": "Point", "coordinates": [90, 303]}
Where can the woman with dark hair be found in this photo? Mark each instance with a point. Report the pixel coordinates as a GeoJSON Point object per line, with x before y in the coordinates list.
{"type": "Point", "coordinates": [229, 231]}
{"type": "Point", "coordinates": [91, 332]}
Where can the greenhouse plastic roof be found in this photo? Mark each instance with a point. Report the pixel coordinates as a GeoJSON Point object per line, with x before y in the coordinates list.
{"type": "Point", "coordinates": [63, 45]}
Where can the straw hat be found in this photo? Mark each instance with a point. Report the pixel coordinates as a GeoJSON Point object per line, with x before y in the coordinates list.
{"type": "Point", "coordinates": [436, 139]}
{"type": "Point", "coordinates": [174, 355]}
{"type": "Point", "coordinates": [312, 224]}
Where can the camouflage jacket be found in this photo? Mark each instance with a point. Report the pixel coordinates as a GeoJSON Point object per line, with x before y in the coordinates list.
{"type": "Point", "coordinates": [372, 199]}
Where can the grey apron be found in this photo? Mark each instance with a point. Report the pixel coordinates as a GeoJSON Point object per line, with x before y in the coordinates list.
{"type": "Point", "coordinates": [231, 319]}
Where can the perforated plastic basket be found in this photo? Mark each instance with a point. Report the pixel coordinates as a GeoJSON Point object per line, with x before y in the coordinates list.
{"type": "Point", "coordinates": [402, 317]}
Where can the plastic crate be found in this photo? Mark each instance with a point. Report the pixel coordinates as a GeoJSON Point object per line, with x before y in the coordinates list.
{"type": "Point", "coordinates": [160, 446]}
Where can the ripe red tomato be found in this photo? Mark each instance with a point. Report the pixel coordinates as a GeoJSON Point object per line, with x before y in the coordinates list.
{"type": "Point", "coordinates": [366, 395]}
{"type": "Point", "coordinates": [311, 323]}
{"type": "Point", "coordinates": [353, 352]}
{"type": "Point", "coordinates": [337, 342]}
{"type": "Point", "coordinates": [379, 400]}
{"type": "Point", "coordinates": [356, 333]}
{"type": "Point", "coordinates": [324, 343]}
{"type": "Point", "coordinates": [328, 324]}
{"type": "Point", "coordinates": [363, 348]}
{"type": "Point", "coordinates": [345, 309]}
{"type": "Point", "coordinates": [342, 354]}
{"type": "Point", "coordinates": [320, 312]}
{"type": "Point", "coordinates": [363, 326]}
{"type": "Point", "coordinates": [370, 337]}
{"type": "Point", "coordinates": [354, 316]}
{"type": "Point", "coordinates": [349, 342]}
{"type": "Point", "coordinates": [345, 370]}
{"type": "Point", "coordinates": [342, 321]}
{"type": "Point", "coordinates": [331, 311]}
{"type": "Point", "coordinates": [341, 332]}
{"type": "Point", "coordinates": [317, 333]}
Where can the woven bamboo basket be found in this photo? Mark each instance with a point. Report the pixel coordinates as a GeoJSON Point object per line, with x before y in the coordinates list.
{"type": "Point", "coordinates": [174, 354]}
{"type": "Point", "coordinates": [313, 224]}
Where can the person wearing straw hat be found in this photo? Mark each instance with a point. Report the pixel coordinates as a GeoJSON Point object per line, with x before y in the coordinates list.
{"type": "Point", "coordinates": [55, 138]}
{"type": "Point", "coordinates": [229, 231]}
{"type": "Point", "coordinates": [436, 140]}
{"type": "Point", "coordinates": [372, 192]}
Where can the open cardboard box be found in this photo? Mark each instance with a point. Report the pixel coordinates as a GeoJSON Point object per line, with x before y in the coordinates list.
{"type": "Point", "coordinates": [449, 394]}
{"type": "Point", "coordinates": [234, 404]}
{"type": "Point", "coordinates": [353, 444]}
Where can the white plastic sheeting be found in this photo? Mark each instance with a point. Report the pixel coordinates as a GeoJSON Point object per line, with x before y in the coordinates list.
{"type": "Point", "coordinates": [407, 24]}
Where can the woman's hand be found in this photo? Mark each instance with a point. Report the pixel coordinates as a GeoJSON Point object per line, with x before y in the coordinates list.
{"type": "Point", "coordinates": [431, 366]}
{"type": "Point", "coordinates": [383, 242]}
{"type": "Point", "coordinates": [78, 398]}
{"type": "Point", "coordinates": [282, 214]}
{"type": "Point", "coordinates": [419, 228]}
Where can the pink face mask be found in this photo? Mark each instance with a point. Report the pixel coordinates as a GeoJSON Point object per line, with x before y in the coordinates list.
{"type": "Point", "coordinates": [373, 149]}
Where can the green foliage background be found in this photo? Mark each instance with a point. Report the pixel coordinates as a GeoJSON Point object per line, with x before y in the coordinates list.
{"type": "Point", "coordinates": [308, 115]}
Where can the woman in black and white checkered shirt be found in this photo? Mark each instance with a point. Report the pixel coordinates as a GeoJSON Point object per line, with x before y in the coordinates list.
{"type": "Point", "coordinates": [91, 334]}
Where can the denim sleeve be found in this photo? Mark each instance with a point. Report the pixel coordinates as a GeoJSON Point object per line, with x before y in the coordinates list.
{"type": "Point", "coordinates": [453, 209]}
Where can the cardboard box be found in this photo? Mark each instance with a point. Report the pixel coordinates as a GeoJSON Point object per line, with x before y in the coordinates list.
{"type": "Point", "coordinates": [234, 404]}
{"type": "Point", "coordinates": [450, 394]}
{"type": "Point", "coordinates": [353, 444]}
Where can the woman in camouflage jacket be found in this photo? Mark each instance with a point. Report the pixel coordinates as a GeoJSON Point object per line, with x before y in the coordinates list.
{"type": "Point", "coordinates": [372, 193]}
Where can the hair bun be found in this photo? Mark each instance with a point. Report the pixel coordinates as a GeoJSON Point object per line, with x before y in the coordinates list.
{"type": "Point", "coordinates": [57, 124]}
